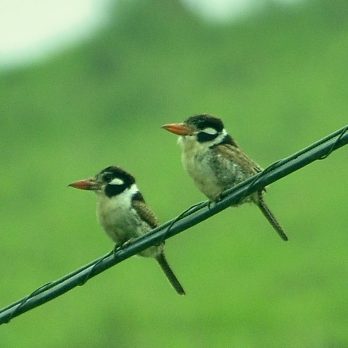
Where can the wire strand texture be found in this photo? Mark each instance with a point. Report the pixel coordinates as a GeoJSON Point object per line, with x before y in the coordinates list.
{"type": "Point", "coordinates": [190, 217]}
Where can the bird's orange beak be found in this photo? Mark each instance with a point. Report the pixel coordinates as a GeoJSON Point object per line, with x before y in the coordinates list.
{"type": "Point", "coordinates": [178, 128]}
{"type": "Point", "coordinates": [86, 184]}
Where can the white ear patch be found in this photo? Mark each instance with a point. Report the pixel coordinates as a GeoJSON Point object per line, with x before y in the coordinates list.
{"type": "Point", "coordinates": [116, 181]}
{"type": "Point", "coordinates": [210, 130]}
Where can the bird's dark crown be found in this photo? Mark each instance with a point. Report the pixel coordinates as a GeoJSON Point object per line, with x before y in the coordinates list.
{"type": "Point", "coordinates": [205, 121]}
{"type": "Point", "coordinates": [108, 174]}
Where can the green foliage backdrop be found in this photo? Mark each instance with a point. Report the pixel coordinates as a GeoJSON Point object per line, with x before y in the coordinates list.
{"type": "Point", "coordinates": [279, 80]}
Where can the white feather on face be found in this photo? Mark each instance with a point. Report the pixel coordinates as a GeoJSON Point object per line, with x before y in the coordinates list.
{"type": "Point", "coordinates": [210, 131]}
{"type": "Point", "coordinates": [116, 181]}
{"type": "Point", "coordinates": [219, 138]}
{"type": "Point", "coordinates": [190, 142]}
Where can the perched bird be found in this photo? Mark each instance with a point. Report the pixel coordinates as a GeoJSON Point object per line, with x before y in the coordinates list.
{"type": "Point", "coordinates": [215, 162]}
{"type": "Point", "coordinates": [123, 214]}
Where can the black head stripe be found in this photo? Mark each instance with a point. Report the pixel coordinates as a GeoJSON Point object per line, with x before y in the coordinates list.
{"type": "Point", "coordinates": [110, 173]}
{"type": "Point", "coordinates": [138, 197]}
{"type": "Point", "coordinates": [203, 137]}
{"type": "Point", "coordinates": [228, 140]}
{"type": "Point", "coordinates": [205, 121]}
{"type": "Point", "coordinates": [113, 172]}
{"type": "Point", "coordinates": [113, 190]}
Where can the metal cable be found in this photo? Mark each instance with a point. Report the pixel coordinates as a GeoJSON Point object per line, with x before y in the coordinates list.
{"type": "Point", "coordinates": [190, 217]}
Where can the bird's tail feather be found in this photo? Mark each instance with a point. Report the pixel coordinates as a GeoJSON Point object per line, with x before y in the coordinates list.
{"type": "Point", "coordinates": [270, 217]}
{"type": "Point", "coordinates": [161, 259]}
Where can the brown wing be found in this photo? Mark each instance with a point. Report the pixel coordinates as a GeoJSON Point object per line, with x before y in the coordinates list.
{"type": "Point", "coordinates": [145, 213]}
{"type": "Point", "coordinates": [235, 154]}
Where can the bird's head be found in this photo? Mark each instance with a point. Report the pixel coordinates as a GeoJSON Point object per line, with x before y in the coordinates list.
{"type": "Point", "coordinates": [111, 182]}
{"type": "Point", "coordinates": [205, 129]}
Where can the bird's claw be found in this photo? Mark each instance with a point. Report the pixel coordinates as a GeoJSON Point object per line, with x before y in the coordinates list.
{"type": "Point", "coordinates": [118, 247]}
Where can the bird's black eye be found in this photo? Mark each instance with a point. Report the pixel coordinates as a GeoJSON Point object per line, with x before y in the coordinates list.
{"type": "Point", "coordinates": [107, 177]}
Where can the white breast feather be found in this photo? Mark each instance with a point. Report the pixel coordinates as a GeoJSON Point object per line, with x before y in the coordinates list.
{"type": "Point", "coordinates": [196, 161]}
{"type": "Point", "coordinates": [118, 218]}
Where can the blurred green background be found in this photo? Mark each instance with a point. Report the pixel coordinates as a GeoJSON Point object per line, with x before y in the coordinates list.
{"type": "Point", "coordinates": [279, 80]}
